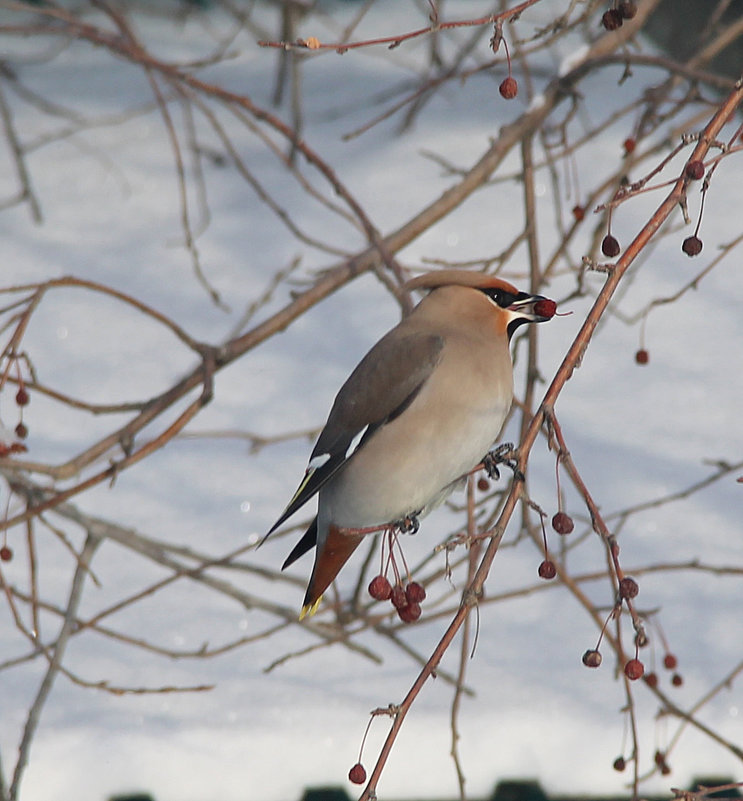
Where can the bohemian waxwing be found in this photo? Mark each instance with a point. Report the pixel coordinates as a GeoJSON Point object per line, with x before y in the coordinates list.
{"type": "Point", "coordinates": [418, 413]}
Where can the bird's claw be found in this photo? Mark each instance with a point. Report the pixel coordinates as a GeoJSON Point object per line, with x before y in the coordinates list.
{"type": "Point", "coordinates": [408, 524]}
{"type": "Point", "coordinates": [503, 454]}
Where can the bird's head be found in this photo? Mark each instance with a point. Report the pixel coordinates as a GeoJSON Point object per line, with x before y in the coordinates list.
{"type": "Point", "coordinates": [519, 307]}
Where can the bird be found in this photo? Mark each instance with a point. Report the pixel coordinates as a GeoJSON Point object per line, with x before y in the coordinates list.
{"type": "Point", "coordinates": [418, 413]}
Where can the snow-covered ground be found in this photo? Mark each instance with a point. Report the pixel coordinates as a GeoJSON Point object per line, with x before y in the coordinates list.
{"type": "Point", "coordinates": [110, 210]}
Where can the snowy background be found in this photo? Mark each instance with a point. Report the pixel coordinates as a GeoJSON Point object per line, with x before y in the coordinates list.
{"type": "Point", "coordinates": [109, 200]}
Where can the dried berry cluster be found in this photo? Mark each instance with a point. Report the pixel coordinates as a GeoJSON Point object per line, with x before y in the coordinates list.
{"type": "Point", "coordinates": [692, 245]}
{"type": "Point", "coordinates": [627, 590]}
{"type": "Point", "coordinates": [614, 18]}
{"type": "Point", "coordinates": [405, 597]}
{"type": "Point", "coordinates": [694, 170]}
{"type": "Point", "coordinates": [620, 763]}
{"type": "Point", "coordinates": [407, 600]}
{"type": "Point", "coordinates": [670, 662]}
{"type": "Point", "coordinates": [13, 442]}
{"type": "Point", "coordinates": [563, 524]}
{"type": "Point", "coordinates": [634, 669]}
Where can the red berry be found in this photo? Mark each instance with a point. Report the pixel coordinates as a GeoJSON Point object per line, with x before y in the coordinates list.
{"type": "Point", "coordinates": [629, 145]}
{"type": "Point", "coordinates": [634, 669]}
{"type": "Point", "coordinates": [677, 680]}
{"type": "Point", "coordinates": [562, 523]}
{"type": "Point", "coordinates": [642, 356]}
{"type": "Point", "coordinates": [357, 774]}
{"type": "Point", "coordinates": [415, 593]}
{"type": "Point", "coordinates": [628, 588]}
{"type": "Point", "coordinates": [651, 679]}
{"type": "Point", "coordinates": [692, 246]}
{"type": "Point", "coordinates": [620, 764]}
{"type": "Point", "coordinates": [612, 19]}
{"type": "Point", "coordinates": [6, 554]}
{"type": "Point", "coordinates": [379, 588]}
{"type": "Point", "coordinates": [670, 661]}
{"type": "Point", "coordinates": [398, 596]}
{"type": "Point", "coordinates": [610, 246]}
{"type": "Point", "coordinates": [21, 431]}
{"type": "Point", "coordinates": [409, 613]}
{"type": "Point", "coordinates": [508, 88]}
{"type": "Point", "coordinates": [627, 8]}
{"type": "Point", "coordinates": [545, 308]}
{"type": "Point", "coordinates": [579, 213]}
{"type": "Point", "coordinates": [695, 170]}
{"type": "Point", "coordinates": [547, 569]}
{"type": "Point", "coordinates": [591, 658]}
{"type": "Point", "coordinates": [21, 397]}
{"type": "Point", "coordinates": [483, 484]}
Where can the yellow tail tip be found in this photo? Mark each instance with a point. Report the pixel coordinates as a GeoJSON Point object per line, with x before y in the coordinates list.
{"type": "Point", "coordinates": [309, 609]}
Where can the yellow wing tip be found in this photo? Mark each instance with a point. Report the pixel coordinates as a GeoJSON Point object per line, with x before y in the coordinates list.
{"type": "Point", "coordinates": [309, 609]}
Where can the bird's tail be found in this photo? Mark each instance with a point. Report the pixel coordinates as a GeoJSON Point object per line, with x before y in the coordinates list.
{"type": "Point", "coordinates": [329, 559]}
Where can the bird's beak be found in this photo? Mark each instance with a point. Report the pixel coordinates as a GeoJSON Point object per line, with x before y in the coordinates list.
{"type": "Point", "coordinates": [534, 308]}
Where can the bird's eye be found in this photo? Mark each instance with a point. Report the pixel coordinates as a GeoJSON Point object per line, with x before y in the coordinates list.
{"type": "Point", "coordinates": [500, 297]}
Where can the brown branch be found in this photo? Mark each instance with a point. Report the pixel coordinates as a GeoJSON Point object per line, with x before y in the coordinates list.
{"type": "Point", "coordinates": [466, 647]}
{"type": "Point", "coordinates": [312, 43]}
{"type": "Point", "coordinates": [27, 193]}
{"type": "Point", "coordinates": [34, 712]}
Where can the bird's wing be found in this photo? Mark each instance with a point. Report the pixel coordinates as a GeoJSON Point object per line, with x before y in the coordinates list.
{"type": "Point", "coordinates": [307, 543]}
{"type": "Point", "coordinates": [381, 387]}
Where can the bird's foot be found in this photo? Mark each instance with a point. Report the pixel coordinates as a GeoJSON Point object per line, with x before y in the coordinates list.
{"type": "Point", "coordinates": [408, 524]}
{"type": "Point", "coordinates": [503, 454]}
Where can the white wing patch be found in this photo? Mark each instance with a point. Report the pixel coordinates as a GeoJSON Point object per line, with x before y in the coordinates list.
{"type": "Point", "coordinates": [318, 461]}
{"type": "Point", "coordinates": [355, 442]}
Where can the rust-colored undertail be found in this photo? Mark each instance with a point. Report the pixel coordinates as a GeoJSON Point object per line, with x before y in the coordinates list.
{"type": "Point", "coordinates": [334, 554]}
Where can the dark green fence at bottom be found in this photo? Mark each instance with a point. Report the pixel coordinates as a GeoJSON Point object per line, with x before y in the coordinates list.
{"type": "Point", "coordinates": [510, 790]}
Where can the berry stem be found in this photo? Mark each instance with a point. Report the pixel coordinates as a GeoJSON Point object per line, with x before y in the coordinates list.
{"type": "Point", "coordinates": [705, 186]}
{"type": "Point", "coordinates": [508, 56]}
{"type": "Point", "coordinates": [363, 739]}
{"type": "Point", "coordinates": [557, 480]}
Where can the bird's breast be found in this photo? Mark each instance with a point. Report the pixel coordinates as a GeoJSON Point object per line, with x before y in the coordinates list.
{"type": "Point", "coordinates": [409, 463]}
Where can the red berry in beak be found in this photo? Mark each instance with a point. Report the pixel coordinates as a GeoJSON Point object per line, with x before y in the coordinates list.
{"type": "Point", "coordinates": [545, 308]}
